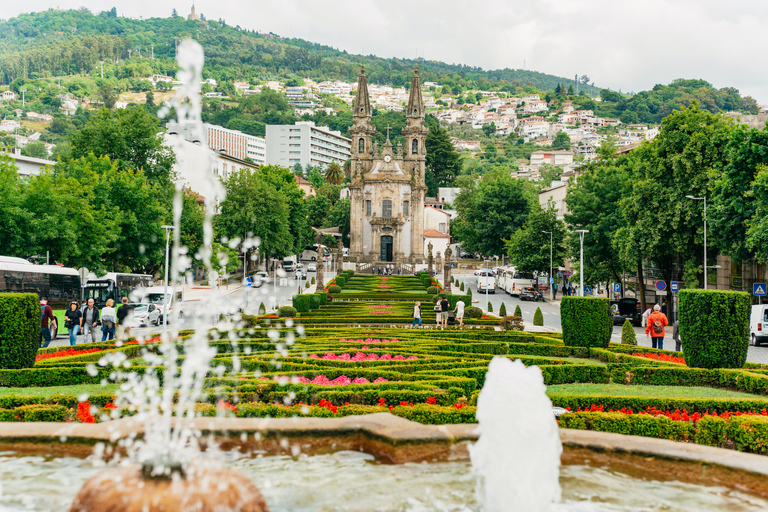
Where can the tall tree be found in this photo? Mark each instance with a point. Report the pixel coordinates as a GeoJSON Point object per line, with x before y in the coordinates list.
{"type": "Point", "coordinates": [443, 161]}
{"type": "Point", "coordinates": [334, 175]}
{"type": "Point", "coordinates": [562, 141]}
{"type": "Point", "coordinates": [299, 225]}
{"type": "Point", "coordinates": [757, 226]}
{"type": "Point", "coordinates": [529, 247]}
{"type": "Point", "coordinates": [339, 216]}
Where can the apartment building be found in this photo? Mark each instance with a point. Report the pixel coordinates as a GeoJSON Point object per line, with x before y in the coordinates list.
{"type": "Point", "coordinates": [306, 144]}
{"type": "Point", "coordinates": [232, 142]}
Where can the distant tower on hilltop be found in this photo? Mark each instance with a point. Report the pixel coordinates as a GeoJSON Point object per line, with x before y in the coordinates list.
{"type": "Point", "coordinates": [193, 15]}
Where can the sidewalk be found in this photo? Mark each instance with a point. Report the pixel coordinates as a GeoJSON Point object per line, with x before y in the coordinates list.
{"type": "Point", "coordinates": [197, 292]}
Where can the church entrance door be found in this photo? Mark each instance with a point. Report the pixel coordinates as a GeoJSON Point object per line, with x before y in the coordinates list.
{"type": "Point", "coordinates": [386, 248]}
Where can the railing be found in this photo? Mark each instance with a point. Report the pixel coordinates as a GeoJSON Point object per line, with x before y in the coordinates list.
{"type": "Point", "coordinates": [362, 267]}
{"type": "Point", "coordinates": [407, 268]}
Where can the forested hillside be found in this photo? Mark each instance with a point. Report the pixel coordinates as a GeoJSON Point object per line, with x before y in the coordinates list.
{"type": "Point", "coordinates": [53, 43]}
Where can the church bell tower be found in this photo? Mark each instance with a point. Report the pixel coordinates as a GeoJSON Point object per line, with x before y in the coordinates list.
{"type": "Point", "coordinates": [362, 130]}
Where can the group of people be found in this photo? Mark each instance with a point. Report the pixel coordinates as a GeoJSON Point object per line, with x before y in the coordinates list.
{"type": "Point", "coordinates": [89, 320]}
{"type": "Point", "coordinates": [442, 309]}
{"type": "Point", "coordinates": [386, 270]}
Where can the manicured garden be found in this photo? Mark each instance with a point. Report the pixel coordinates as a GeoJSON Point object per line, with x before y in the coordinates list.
{"type": "Point", "coordinates": [428, 375]}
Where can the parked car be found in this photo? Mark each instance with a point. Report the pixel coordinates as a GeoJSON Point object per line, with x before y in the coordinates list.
{"type": "Point", "coordinates": [530, 293]}
{"type": "Point", "coordinates": [312, 267]}
{"type": "Point", "coordinates": [626, 309]}
{"type": "Point", "coordinates": [758, 324]}
{"type": "Point", "coordinates": [145, 314]}
{"type": "Point", "coordinates": [256, 281]}
{"type": "Point", "coordinates": [300, 274]}
{"type": "Point", "coordinates": [263, 274]}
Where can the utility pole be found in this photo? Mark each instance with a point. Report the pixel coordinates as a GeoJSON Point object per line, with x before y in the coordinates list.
{"type": "Point", "coordinates": [153, 51]}
{"type": "Point", "coordinates": [102, 68]}
{"type": "Point", "coordinates": [581, 233]}
{"type": "Point", "coordinates": [23, 90]}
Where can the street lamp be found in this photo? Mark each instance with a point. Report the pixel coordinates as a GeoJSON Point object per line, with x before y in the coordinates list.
{"type": "Point", "coordinates": [487, 268]}
{"type": "Point", "coordinates": [165, 288]}
{"type": "Point", "coordinates": [581, 233]}
{"type": "Point", "coordinates": [551, 279]}
{"type": "Point", "coordinates": [705, 234]}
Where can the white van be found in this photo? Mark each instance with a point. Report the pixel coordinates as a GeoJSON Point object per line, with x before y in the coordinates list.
{"type": "Point", "coordinates": [758, 324]}
{"type": "Point", "coordinates": [154, 295]}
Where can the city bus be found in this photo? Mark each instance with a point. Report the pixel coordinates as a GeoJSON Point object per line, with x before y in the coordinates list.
{"type": "Point", "coordinates": [60, 285]}
{"type": "Point", "coordinates": [115, 286]}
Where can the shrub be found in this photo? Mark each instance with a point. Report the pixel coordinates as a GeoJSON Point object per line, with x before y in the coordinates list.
{"type": "Point", "coordinates": [586, 321]}
{"type": "Point", "coordinates": [314, 301]}
{"type": "Point", "coordinates": [469, 291]}
{"type": "Point", "coordinates": [473, 312]}
{"type": "Point", "coordinates": [313, 280]}
{"type": "Point", "coordinates": [323, 298]}
{"type": "Point", "coordinates": [490, 307]}
{"type": "Point", "coordinates": [301, 303]}
{"type": "Point", "coordinates": [462, 286]}
{"type": "Point", "coordinates": [518, 311]}
{"type": "Point", "coordinates": [286, 312]}
{"type": "Point", "coordinates": [511, 323]}
{"type": "Point", "coordinates": [432, 290]}
{"type": "Point", "coordinates": [262, 309]}
{"type": "Point", "coordinates": [340, 281]}
{"type": "Point", "coordinates": [714, 328]}
{"type": "Point", "coordinates": [628, 334]}
{"type": "Point", "coordinates": [19, 329]}
{"type": "Point", "coordinates": [334, 289]}
{"type": "Point", "coordinates": [306, 285]}
{"type": "Point", "coordinates": [503, 310]}
{"type": "Point", "coordinates": [538, 317]}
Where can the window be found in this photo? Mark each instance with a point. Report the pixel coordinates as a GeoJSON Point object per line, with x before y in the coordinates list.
{"type": "Point", "coordinates": [441, 227]}
{"type": "Point", "coordinates": [386, 208]}
{"type": "Point", "coordinates": [361, 146]}
{"type": "Point", "coordinates": [405, 207]}
{"type": "Point", "coordinates": [367, 206]}
{"type": "Point", "coordinates": [414, 147]}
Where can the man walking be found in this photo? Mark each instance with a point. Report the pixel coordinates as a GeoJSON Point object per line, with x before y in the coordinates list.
{"type": "Point", "coordinates": [124, 319]}
{"type": "Point", "coordinates": [657, 321]}
{"type": "Point", "coordinates": [444, 308]}
{"type": "Point", "coordinates": [90, 321]}
{"type": "Point", "coordinates": [459, 310]}
{"type": "Point", "coordinates": [47, 320]}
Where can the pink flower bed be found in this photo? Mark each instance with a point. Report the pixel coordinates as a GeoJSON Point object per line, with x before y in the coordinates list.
{"type": "Point", "coordinates": [341, 380]}
{"type": "Point", "coordinates": [361, 356]}
{"type": "Point", "coordinates": [367, 340]}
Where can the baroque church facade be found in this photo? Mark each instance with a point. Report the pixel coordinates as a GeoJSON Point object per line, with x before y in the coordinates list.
{"type": "Point", "coordinates": [387, 190]}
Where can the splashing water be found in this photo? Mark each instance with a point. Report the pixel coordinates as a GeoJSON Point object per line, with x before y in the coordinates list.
{"type": "Point", "coordinates": [517, 458]}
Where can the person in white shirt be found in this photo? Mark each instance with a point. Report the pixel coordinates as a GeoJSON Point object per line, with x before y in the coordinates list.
{"type": "Point", "coordinates": [459, 310]}
{"type": "Point", "coordinates": [108, 321]}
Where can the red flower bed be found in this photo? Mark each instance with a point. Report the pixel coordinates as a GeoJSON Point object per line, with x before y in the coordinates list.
{"type": "Point", "coordinates": [65, 353]}
{"type": "Point", "coordinates": [676, 415]}
{"type": "Point", "coordinates": [661, 357]}
{"type": "Point", "coordinates": [84, 413]}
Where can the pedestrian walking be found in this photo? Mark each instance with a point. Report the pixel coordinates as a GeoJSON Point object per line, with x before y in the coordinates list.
{"type": "Point", "coordinates": [73, 322]}
{"type": "Point", "coordinates": [676, 336]}
{"type": "Point", "coordinates": [47, 322]}
{"type": "Point", "coordinates": [90, 321]}
{"type": "Point", "coordinates": [416, 314]}
{"type": "Point", "coordinates": [646, 315]}
{"type": "Point", "coordinates": [459, 310]}
{"type": "Point", "coordinates": [657, 321]}
{"type": "Point", "coordinates": [124, 319]}
{"type": "Point", "coordinates": [108, 321]}
{"type": "Point", "coordinates": [444, 308]}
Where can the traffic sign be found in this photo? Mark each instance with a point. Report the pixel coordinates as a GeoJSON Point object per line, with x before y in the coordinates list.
{"type": "Point", "coordinates": [248, 282]}
{"type": "Point", "coordinates": [675, 286]}
{"type": "Point", "coordinates": [661, 286]}
{"type": "Point", "coordinates": [759, 289]}
{"type": "Point", "coordinates": [616, 287]}
{"type": "Point", "coordinates": [587, 290]}
{"type": "Point", "coordinates": [661, 292]}
{"type": "Point", "coordinates": [551, 280]}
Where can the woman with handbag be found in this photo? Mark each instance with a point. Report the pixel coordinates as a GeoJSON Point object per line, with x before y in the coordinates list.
{"type": "Point", "coordinates": [108, 321]}
{"type": "Point", "coordinates": [73, 321]}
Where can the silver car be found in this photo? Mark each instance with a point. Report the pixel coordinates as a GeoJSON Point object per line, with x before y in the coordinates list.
{"type": "Point", "coordinates": [146, 314]}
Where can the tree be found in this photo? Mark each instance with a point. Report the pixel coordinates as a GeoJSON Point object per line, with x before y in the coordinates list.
{"type": "Point", "coordinates": [562, 141]}
{"type": "Point", "coordinates": [298, 170]}
{"type": "Point", "coordinates": [191, 223]}
{"type": "Point", "coordinates": [315, 177]}
{"type": "Point", "coordinates": [489, 129]}
{"type": "Point", "coordinates": [298, 224]}
{"type": "Point", "coordinates": [570, 90]}
{"type": "Point", "coordinates": [13, 217]}
{"type": "Point", "coordinates": [150, 99]}
{"type": "Point", "coordinates": [174, 14]}
{"type": "Point", "coordinates": [107, 95]}
{"type": "Point", "coordinates": [491, 212]}
{"type": "Point", "coordinates": [757, 225]}
{"type": "Point", "coordinates": [529, 247]}
{"type": "Point", "coordinates": [129, 136]}
{"type": "Point", "coordinates": [339, 215]}
{"type": "Point", "coordinates": [442, 161]}
{"type": "Point", "coordinates": [253, 205]}
{"type": "Point", "coordinates": [318, 209]}
{"type": "Point", "coordinates": [35, 149]}
{"type": "Point", "coordinates": [334, 175]}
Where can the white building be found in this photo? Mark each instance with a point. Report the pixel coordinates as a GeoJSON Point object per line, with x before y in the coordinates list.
{"type": "Point", "coordinates": [555, 194]}
{"type": "Point", "coordinates": [233, 142]}
{"type": "Point", "coordinates": [8, 96]}
{"type": "Point", "coordinates": [27, 166]}
{"type": "Point", "coordinates": [306, 144]}
{"type": "Point", "coordinates": [553, 157]}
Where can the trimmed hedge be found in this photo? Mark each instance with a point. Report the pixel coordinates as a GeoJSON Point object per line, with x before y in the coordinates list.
{"type": "Point", "coordinates": [314, 301]}
{"type": "Point", "coordinates": [586, 321]}
{"type": "Point", "coordinates": [628, 336]}
{"type": "Point", "coordinates": [518, 311]}
{"type": "Point", "coordinates": [714, 328]}
{"type": "Point", "coordinates": [19, 329]}
{"type": "Point", "coordinates": [432, 290]}
{"type": "Point", "coordinates": [334, 289]}
{"type": "Point", "coordinates": [538, 317]}
{"type": "Point", "coordinates": [502, 310]}
{"type": "Point", "coordinates": [286, 312]}
{"type": "Point", "coordinates": [340, 281]}
{"type": "Point", "coordinates": [301, 303]}
{"type": "Point", "coordinates": [473, 312]}
{"type": "Point", "coordinates": [34, 412]}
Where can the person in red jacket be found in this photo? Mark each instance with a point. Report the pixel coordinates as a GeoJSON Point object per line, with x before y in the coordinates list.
{"type": "Point", "coordinates": [47, 322]}
{"type": "Point", "coordinates": [657, 322]}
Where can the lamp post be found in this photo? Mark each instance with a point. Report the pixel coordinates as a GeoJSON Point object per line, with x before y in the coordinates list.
{"type": "Point", "coordinates": [486, 263]}
{"type": "Point", "coordinates": [551, 279]}
{"type": "Point", "coordinates": [581, 233]}
{"type": "Point", "coordinates": [165, 287]}
{"type": "Point", "coordinates": [705, 234]}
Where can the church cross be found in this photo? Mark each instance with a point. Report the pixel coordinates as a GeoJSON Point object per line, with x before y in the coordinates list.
{"type": "Point", "coordinates": [388, 128]}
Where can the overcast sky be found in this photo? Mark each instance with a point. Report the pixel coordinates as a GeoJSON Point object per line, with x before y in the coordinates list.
{"type": "Point", "coordinates": [622, 45]}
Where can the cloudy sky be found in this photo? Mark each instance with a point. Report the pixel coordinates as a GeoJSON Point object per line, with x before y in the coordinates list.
{"type": "Point", "coordinates": [622, 45]}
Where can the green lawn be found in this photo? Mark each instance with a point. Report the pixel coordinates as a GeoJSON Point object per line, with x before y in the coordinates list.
{"type": "Point", "coordinates": [647, 391]}
{"type": "Point", "coordinates": [90, 389]}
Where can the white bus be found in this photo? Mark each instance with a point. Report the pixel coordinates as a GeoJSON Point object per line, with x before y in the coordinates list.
{"type": "Point", "coordinates": [514, 281]}
{"type": "Point", "coordinates": [115, 286]}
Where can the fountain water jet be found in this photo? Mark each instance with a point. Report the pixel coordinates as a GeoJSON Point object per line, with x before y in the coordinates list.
{"type": "Point", "coordinates": [517, 457]}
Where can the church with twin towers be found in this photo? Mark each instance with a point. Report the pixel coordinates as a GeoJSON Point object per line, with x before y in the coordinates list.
{"type": "Point", "coordinates": [387, 191]}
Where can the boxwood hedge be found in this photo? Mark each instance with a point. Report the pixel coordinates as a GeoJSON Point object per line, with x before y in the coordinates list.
{"type": "Point", "coordinates": [586, 321]}
{"type": "Point", "coordinates": [19, 329]}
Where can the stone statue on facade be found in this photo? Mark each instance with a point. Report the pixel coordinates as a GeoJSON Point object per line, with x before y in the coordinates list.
{"type": "Point", "coordinates": [447, 271]}
{"type": "Point", "coordinates": [430, 259]}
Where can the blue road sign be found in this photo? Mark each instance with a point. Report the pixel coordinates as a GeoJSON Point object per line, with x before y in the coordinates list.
{"type": "Point", "coordinates": [759, 289]}
{"type": "Point", "coordinates": [661, 286]}
{"type": "Point", "coordinates": [248, 282]}
{"type": "Point", "coordinates": [675, 286]}
{"type": "Point", "coordinates": [551, 280]}
{"type": "Point", "coordinates": [587, 290]}
{"type": "Point", "coordinates": [616, 287]}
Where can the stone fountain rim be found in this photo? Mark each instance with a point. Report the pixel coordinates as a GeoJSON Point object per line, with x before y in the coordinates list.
{"type": "Point", "coordinates": [383, 428]}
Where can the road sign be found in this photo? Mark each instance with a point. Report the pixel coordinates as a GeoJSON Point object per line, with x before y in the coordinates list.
{"type": "Point", "coordinates": [587, 290]}
{"type": "Point", "coordinates": [661, 292]}
{"type": "Point", "coordinates": [551, 280]}
{"type": "Point", "coordinates": [616, 287]}
{"type": "Point", "coordinates": [759, 289]}
{"type": "Point", "coordinates": [660, 285]}
{"type": "Point", "coordinates": [675, 286]}
{"type": "Point", "coordinates": [248, 282]}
